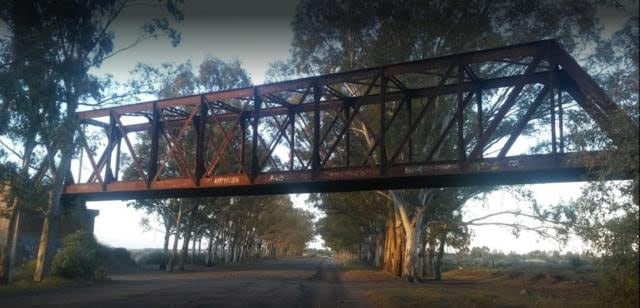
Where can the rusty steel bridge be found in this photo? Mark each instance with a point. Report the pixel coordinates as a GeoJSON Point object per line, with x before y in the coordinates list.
{"type": "Point", "coordinates": [359, 130]}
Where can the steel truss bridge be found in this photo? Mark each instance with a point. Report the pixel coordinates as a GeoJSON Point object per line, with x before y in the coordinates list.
{"type": "Point", "coordinates": [447, 121]}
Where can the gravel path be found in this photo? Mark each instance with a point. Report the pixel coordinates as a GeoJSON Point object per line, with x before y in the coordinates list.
{"type": "Point", "coordinates": [296, 282]}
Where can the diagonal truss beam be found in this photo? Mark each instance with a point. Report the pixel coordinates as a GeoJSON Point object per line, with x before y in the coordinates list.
{"type": "Point", "coordinates": [320, 118]}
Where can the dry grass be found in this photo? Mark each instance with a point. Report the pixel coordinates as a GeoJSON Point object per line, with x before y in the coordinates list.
{"type": "Point", "coordinates": [49, 283]}
{"type": "Point", "coordinates": [469, 288]}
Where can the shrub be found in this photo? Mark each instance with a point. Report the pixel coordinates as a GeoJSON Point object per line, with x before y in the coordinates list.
{"type": "Point", "coordinates": [26, 271]}
{"type": "Point", "coordinates": [149, 257]}
{"type": "Point", "coordinates": [79, 257]}
{"type": "Point", "coordinates": [575, 262]}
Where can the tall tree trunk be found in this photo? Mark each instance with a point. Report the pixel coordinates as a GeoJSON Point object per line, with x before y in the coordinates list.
{"type": "Point", "coordinates": [217, 243]}
{"type": "Point", "coordinates": [199, 245]}
{"type": "Point", "coordinates": [430, 252]}
{"type": "Point", "coordinates": [408, 262]}
{"type": "Point", "coordinates": [15, 239]}
{"type": "Point", "coordinates": [421, 255]}
{"type": "Point", "coordinates": [210, 252]}
{"type": "Point", "coordinates": [387, 262]}
{"type": "Point", "coordinates": [5, 255]}
{"type": "Point", "coordinates": [413, 231]}
{"type": "Point", "coordinates": [7, 252]}
{"type": "Point", "coordinates": [165, 247]}
{"type": "Point", "coordinates": [184, 250]}
{"type": "Point", "coordinates": [187, 237]}
{"type": "Point", "coordinates": [438, 268]}
{"type": "Point", "coordinates": [393, 243]}
{"type": "Point", "coordinates": [50, 224]}
{"type": "Point", "coordinates": [399, 244]}
{"type": "Point", "coordinates": [193, 249]}
{"type": "Point", "coordinates": [174, 253]}
{"type": "Point", "coordinates": [378, 258]}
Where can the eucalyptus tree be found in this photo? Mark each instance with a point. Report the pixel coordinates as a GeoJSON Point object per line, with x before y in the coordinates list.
{"type": "Point", "coordinates": [165, 213]}
{"type": "Point", "coordinates": [236, 226]}
{"type": "Point", "coordinates": [66, 42]}
{"type": "Point", "coordinates": [24, 88]}
{"type": "Point", "coordinates": [171, 80]}
{"type": "Point", "coordinates": [332, 36]}
{"type": "Point", "coordinates": [607, 214]}
{"type": "Point", "coordinates": [355, 223]}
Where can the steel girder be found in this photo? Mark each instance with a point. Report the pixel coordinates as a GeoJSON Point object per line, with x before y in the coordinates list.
{"type": "Point", "coordinates": [447, 121]}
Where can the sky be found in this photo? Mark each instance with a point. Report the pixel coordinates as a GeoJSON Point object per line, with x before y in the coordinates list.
{"type": "Point", "coordinates": [254, 32]}
{"type": "Point", "coordinates": [256, 35]}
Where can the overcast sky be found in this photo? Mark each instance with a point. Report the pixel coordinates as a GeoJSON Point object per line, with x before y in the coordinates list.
{"type": "Point", "coordinates": [258, 34]}
{"type": "Point", "coordinates": [254, 32]}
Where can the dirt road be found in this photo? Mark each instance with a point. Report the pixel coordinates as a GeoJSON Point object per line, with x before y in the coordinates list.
{"type": "Point", "coordinates": [298, 282]}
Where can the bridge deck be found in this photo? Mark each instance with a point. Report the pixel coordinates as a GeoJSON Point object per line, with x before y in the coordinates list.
{"type": "Point", "coordinates": [525, 169]}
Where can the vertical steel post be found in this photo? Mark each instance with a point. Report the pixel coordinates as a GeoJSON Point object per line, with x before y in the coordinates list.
{"type": "Point", "coordinates": [409, 121]}
{"type": "Point", "coordinates": [383, 110]}
{"type": "Point", "coordinates": [479, 107]}
{"type": "Point", "coordinates": [460, 112]}
{"type": "Point", "coordinates": [560, 121]}
{"type": "Point", "coordinates": [118, 158]}
{"type": "Point", "coordinates": [155, 144]}
{"type": "Point", "coordinates": [108, 174]}
{"type": "Point", "coordinates": [347, 115]}
{"type": "Point", "coordinates": [552, 109]}
{"type": "Point", "coordinates": [317, 94]}
{"type": "Point", "coordinates": [292, 116]}
{"type": "Point", "coordinates": [257, 102]}
{"type": "Point", "coordinates": [80, 160]}
{"type": "Point", "coordinates": [200, 122]}
{"type": "Point", "coordinates": [243, 142]}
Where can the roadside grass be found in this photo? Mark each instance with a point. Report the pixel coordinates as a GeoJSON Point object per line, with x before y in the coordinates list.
{"type": "Point", "coordinates": [49, 283]}
{"type": "Point", "coordinates": [22, 282]}
{"type": "Point", "coordinates": [483, 296]}
{"type": "Point", "coordinates": [348, 266]}
{"type": "Point", "coordinates": [479, 287]}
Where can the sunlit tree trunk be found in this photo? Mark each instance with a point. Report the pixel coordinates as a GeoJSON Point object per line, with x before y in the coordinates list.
{"type": "Point", "coordinates": [399, 243]}
{"type": "Point", "coordinates": [410, 267]}
{"type": "Point", "coordinates": [393, 243]}
{"type": "Point", "coordinates": [413, 231]}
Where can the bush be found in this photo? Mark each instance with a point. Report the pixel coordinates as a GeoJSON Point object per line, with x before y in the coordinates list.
{"type": "Point", "coordinates": [149, 257]}
{"type": "Point", "coordinates": [575, 262]}
{"type": "Point", "coordinates": [79, 257]}
{"type": "Point", "coordinates": [26, 271]}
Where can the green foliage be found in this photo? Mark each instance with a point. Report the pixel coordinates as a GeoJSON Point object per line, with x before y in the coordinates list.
{"type": "Point", "coordinates": [350, 218]}
{"type": "Point", "coordinates": [25, 272]}
{"type": "Point", "coordinates": [47, 54]}
{"type": "Point", "coordinates": [334, 35]}
{"type": "Point", "coordinates": [607, 214]}
{"type": "Point", "coordinates": [79, 257]}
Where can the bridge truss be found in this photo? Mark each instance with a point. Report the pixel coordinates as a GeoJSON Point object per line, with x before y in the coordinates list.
{"type": "Point", "coordinates": [447, 121]}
